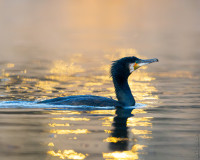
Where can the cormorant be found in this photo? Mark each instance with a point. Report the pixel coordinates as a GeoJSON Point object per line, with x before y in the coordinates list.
{"type": "Point", "coordinates": [120, 71]}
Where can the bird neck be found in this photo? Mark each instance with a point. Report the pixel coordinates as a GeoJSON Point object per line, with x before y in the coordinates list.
{"type": "Point", "coordinates": [123, 91]}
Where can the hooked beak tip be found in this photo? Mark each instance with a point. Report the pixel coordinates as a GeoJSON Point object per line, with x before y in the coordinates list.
{"type": "Point", "coordinates": [156, 60]}
{"type": "Point", "coordinates": [153, 60]}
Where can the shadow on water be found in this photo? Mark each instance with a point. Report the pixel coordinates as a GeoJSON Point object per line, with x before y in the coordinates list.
{"type": "Point", "coordinates": [120, 130]}
{"type": "Point", "coordinates": [123, 139]}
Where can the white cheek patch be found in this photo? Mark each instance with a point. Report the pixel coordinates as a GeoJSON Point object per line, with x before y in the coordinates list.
{"type": "Point", "coordinates": [131, 67]}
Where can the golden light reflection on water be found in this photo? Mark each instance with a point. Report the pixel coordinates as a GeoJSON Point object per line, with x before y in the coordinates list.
{"type": "Point", "coordinates": [114, 139]}
{"type": "Point", "coordinates": [50, 144]}
{"type": "Point", "coordinates": [137, 111]}
{"type": "Point", "coordinates": [131, 154]}
{"type": "Point", "coordinates": [55, 149]}
{"type": "Point", "coordinates": [139, 121]}
{"type": "Point", "coordinates": [128, 155]}
{"type": "Point", "coordinates": [107, 131]}
{"type": "Point", "coordinates": [136, 131]}
{"type": "Point", "coordinates": [58, 125]}
{"type": "Point", "coordinates": [10, 65]}
{"type": "Point", "coordinates": [107, 121]}
{"type": "Point", "coordinates": [143, 91]}
{"type": "Point", "coordinates": [64, 131]}
{"type": "Point", "coordinates": [59, 80]}
{"type": "Point", "coordinates": [62, 70]}
{"type": "Point", "coordinates": [132, 121]}
{"type": "Point", "coordinates": [4, 74]}
{"type": "Point", "coordinates": [67, 154]}
{"type": "Point", "coordinates": [71, 119]}
{"type": "Point", "coordinates": [46, 86]}
{"type": "Point", "coordinates": [102, 112]}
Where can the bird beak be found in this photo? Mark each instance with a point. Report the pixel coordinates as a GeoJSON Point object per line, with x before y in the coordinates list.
{"type": "Point", "coordinates": [142, 62]}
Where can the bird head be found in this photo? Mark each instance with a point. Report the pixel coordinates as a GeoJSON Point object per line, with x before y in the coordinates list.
{"type": "Point", "coordinates": [139, 63]}
{"type": "Point", "coordinates": [125, 66]}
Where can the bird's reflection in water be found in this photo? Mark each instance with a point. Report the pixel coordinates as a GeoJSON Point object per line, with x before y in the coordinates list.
{"type": "Point", "coordinates": [120, 131]}
{"type": "Point", "coordinates": [121, 145]}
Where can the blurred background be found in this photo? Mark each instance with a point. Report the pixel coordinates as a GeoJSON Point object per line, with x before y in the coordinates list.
{"type": "Point", "coordinates": [53, 30]}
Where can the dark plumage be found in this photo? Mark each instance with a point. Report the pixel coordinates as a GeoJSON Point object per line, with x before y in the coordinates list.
{"type": "Point", "coordinates": [120, 71]}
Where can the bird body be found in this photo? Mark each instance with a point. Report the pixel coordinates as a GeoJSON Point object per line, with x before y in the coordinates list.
{"type": "Point", "coordinates": [87, 100]}
{"type": "Point", "coordinates": [120, 71]}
